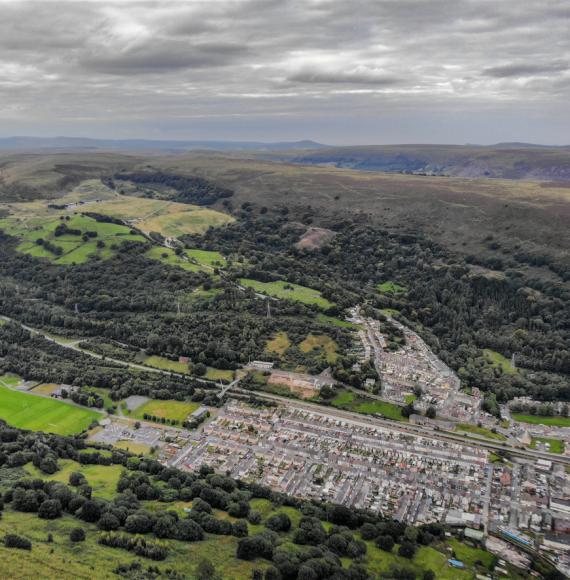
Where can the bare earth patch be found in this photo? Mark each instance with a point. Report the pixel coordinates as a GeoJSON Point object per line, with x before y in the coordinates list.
{"type": "Point", "coordinates": [315, 238]}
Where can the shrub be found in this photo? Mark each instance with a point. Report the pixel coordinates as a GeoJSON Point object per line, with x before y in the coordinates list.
{"type": "Point", "coordinates": [14, 541]}
{"type": "Point", "coordinates": [77, 535]}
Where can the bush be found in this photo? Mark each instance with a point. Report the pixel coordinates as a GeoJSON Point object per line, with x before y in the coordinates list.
{"type": "Point", "coordinates": [14, 541]}
{"type": "Point", "coordinates": [50, 509]}
{"type": "Point", "coordinates": [77, 535]}
{"type": "Point", "coordinates": [279, 523]}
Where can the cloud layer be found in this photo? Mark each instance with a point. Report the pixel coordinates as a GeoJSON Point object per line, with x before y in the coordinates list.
{"type": "Point", "coordinates": [336, 70]}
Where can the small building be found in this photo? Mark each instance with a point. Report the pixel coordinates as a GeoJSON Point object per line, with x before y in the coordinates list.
{"type": "Point", "coordinates": [476, 535]}
{"type": "Point", "coordinates": [260, 365]}
{"type": "Point", "coordinates": [199, 413]}
{"type": "Point", "coordinates": [456, 563]}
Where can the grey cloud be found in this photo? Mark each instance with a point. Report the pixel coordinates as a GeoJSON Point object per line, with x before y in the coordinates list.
{"type": "Point", "coordinates": [523, 70]}
{"type": "Point", "coordinates": [344, 77]}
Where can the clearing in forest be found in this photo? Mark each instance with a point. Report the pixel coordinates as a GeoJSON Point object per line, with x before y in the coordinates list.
{"type": "Point", "coordinates": [288, 291]}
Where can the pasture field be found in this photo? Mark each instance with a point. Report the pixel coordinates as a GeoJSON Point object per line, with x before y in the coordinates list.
{"type": "Point", "coordinates": [74, 250]}
{"type": "Point", "coordinates": [496, 359]}
{"type": "Point", "coordinates": [168, 256]}
{"type": "Point", "coordinates": [177, 410]}
{"type": "Point", "coordinates": [538, 420]}
{"type": "Point", "coordinates": [207, 258]}
{"type": "Point", "coordinates": [390, 287]}
{"type": "Point", "coordinates": [476, 430]}
{"type": "Point", "coordinates": [166, 364]}
{"type": "Point", "coordinates": [469, 555]}
{"type": "Point", "coordinates": [171, 219]}
{"type": "Point", "coordinates": [288, 291]}
{"type": "Point", "coordinates": [352, 402]}
{"type": "Point", "coordinates": [556, 445]}
{"type": "Point", "coordinates": [36, 413]}
{"type": "Point", "coordinates": [278, 344]}
{"type": "Point", "coordinates": [320, 342]}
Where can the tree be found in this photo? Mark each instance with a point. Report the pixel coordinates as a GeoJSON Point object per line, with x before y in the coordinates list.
{"type": "Point", "coordinates": [280, 522]}
{"type": "Point", "coordinates": [407, 549]}
{"type": "Point", "coordinates": [50, 509]}
{"type": "Point", "coordinates": [385, 543]}
{"type": "Point", "coordinates": [108, 522]}
{"type": "Point", "coordinates": [431, 412]}
{"type": "Point", "coordinates": [76, 478]}
{"type": "Point", "coordinates": [77, 535]}
{"type": "Point", "coordinates": [90, 511]}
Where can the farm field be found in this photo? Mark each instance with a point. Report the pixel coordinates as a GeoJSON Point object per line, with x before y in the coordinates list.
{"type": "Point", "coordinates": [288, 291]}
{"type": "Point", "coordinates": [169, 218]}
{"type": "Point", "coordinates": [320, 342]}
{"type": "Point", "coordinates": [538, 420]}
{"type": "Point", "coordinates": [352, 402]}
{"type": "Point", "coordinates": [173, 410]}
{"type": "Point", "coordinates": [476, 430]}
{"type": "Point", "coordinates": [167, 256]}
{"type": "Point", "coordinates": [37, 413]}
{"type": "Point", "coordinates": [74, 250]}
{"type": "Point", "coordinates": [556, 445]}
{"type": "Point", "coordinates": [498, 360]}
{"type": "Point", "coordinates": [207, 258]}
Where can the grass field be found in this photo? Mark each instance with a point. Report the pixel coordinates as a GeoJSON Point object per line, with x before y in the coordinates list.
{"type": "Point", "coordinates": [74, 249]}
{"type": "Point", "coordinates": [391, 288]}
{"type": "Point", "coordinates": [160, 362]}
{"type": "Point", "coordinates": [102, 478]}
{"type": "Point", "coordinates": [476, 430]}
{"type": "Point", "coordinates": [177, 410]}
{"type": "Point", "coordinates": [320, 342]}
{"type": "Point", "coordinates": [288, 291]}
{"type": "Point", "coordinates": [555, 445]}
{"type": "Point", "coordinates": [498, 360]}
{"type": "Point", "coordinates": [10, 380]}
{"type": "Point", "coordinates": [207, 258]}
{"type": "Point", "coordinates": [471, 556]}
{"type": "Point", "coordinates": [36, 413]}
{"type": "Point", "coordinates": [278, 344]}
{"type": "Point", "coordinates": [45, 389]}
{"type": "Point", "coordinates": [167, 256]}
{"type": "Point", "coordinates": [133, 447]}
{"type": "Point", "coordinates": [219, 374]}
{"type": "Point", "coordinates": [170, 219]}
{"type": "Point", "coordinates": [352, 402]}
{"type": "Point", "coordinates": [334, 321]}
{"type": "Point", "coordinates": [538, 420]}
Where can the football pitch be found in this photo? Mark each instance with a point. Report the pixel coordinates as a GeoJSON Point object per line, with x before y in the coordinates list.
{"type": "Point", "coordinates": [27, 411]}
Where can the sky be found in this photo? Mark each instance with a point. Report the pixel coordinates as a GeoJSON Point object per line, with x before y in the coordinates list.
{"type": "Point", "coordinates": [336, 71]}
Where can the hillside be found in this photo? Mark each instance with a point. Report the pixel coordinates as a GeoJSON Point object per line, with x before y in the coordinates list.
{"type": "Point", "coordinates": [506, 161]}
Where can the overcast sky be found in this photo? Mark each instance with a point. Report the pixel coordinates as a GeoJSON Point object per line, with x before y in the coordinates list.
{"type": "Point", "coordinates": [337, 71]}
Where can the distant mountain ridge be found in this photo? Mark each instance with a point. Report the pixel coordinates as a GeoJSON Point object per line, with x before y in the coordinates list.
{"type": "Point", "coordinates": [58, 143]}
{"type": "Point", "coordinates": [504, 160]}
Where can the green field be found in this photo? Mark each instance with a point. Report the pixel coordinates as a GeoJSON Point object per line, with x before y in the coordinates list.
{"type": "Point", "coordinates": [496, 359]}
{"type": "Point", "coordinates": [352, 402]}
{"type": "Point", "coordinates": [218, 374]}
{"type": "Point", "coordinates": [288, 291]}
{"type": "Point", "coordinates": [165, 364]}
{"type": "Point", "coordinates": [390, 287]}
{"type": "Point", "coordinates": [207, 258]}
{"type": "Point", "coordinates": [36, 413]}
{"type": "Point", "coordinates": [334, 321]}
{"type": "Point", "coordinates": [556, 445]}
{"type": "Point", "coordinates": [476, 430]}
{"type": "Point", "coordinates": [471, 556]}
{"type": "Point", "coordinates": [102, 478]}
{"type": "Point", "coordinates": [10, 380]}
{"type": "Point", "coordinates": [538, 420]}
{"type": "Point", "coordinates": [74, 249]}
{"type": "Point", "coordinates": [174, 410]}
{"type": "Point", "coordinates": [168, 256]}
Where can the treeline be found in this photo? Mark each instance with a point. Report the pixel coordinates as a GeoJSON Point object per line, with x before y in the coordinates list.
{"type": "Point", "coordinates": [193, 190]}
